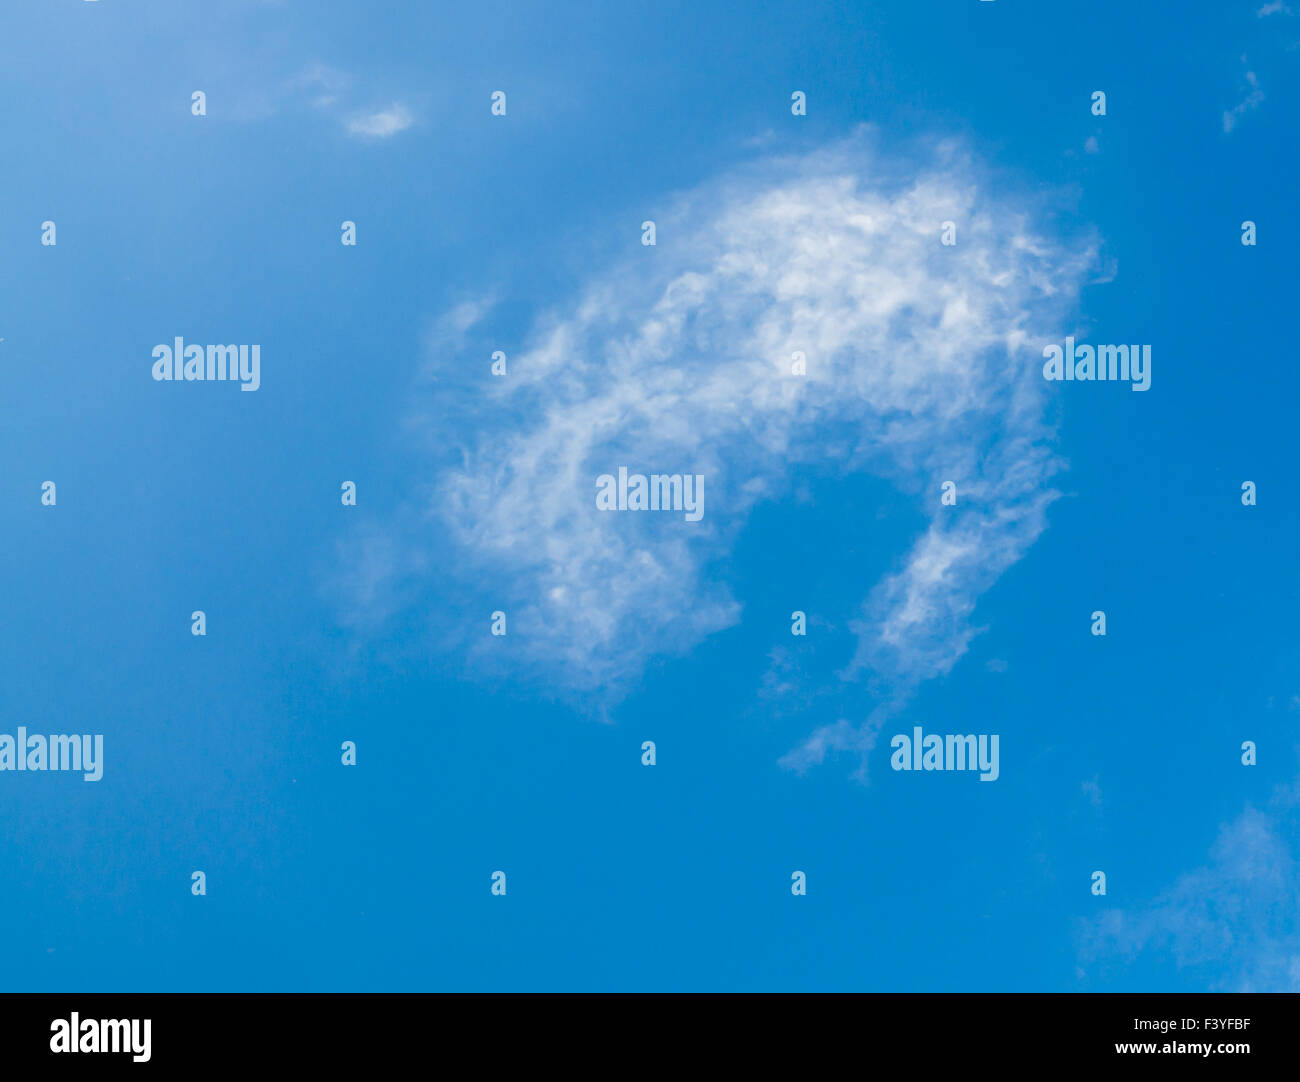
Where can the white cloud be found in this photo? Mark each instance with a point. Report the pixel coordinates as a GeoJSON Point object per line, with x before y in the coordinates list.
{"type": "Point", "coordinates": [677, 359]}
{"type": "Point", "coordinates": [841, 737]}
{"type": "Point", "coordinates": [1236, 911]}
{"type": "Point", "coordinates": [382, 124]}
{"type": "Point", "coordinates": [1272, 9]}
{"type": "Point", "coordinates": [1253, 99]}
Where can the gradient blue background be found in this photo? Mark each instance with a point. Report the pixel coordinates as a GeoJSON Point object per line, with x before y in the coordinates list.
{"type": "Point", "coordinates": [222, 752]}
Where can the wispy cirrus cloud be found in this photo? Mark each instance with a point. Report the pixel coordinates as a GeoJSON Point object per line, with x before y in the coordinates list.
{"type": "Point", "coordinates": [677, 358]}
{"type": "Point", "coordinates": [1237, 913]}
{"type": "Point", "coordinates": [1251, 92]}
{"type": "Point", "coordinates": [331, 93]}
{"type": "Point", "coordinates": [1253, 98]}
{"type": "Point", "coordinates": [320, 84]}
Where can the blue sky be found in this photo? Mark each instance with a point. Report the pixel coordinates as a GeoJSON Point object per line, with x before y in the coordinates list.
{"type": "Point", "coordinates": [522, 234]}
